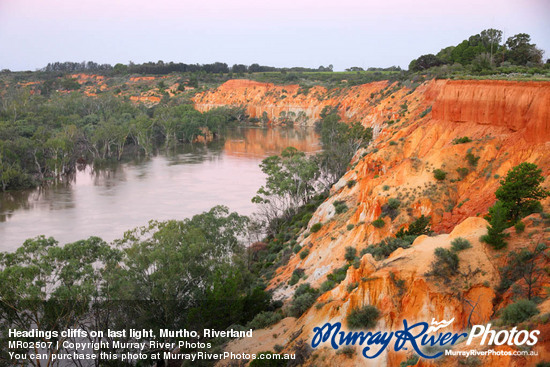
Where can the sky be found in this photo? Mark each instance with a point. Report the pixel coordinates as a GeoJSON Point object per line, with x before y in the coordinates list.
{"type": "Point", "coordinates": [308, 33]}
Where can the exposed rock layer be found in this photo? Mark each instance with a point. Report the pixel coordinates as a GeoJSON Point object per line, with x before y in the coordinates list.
{"type": "Point", "coordinates": [415, 129]}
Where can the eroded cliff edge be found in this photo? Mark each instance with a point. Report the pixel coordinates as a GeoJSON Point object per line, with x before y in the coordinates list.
{"type": "Point", "coordinates": [415, 130]}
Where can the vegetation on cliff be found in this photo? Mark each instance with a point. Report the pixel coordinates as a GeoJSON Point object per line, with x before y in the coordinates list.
{"type": "Point", "coordinates": [484, 54]}
{"type": "Point", "coordinates": [518, 196]}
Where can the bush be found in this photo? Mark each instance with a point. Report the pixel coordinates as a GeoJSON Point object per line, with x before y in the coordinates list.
{"type": "Point", "coordinates": [384, 248]}
{"type": "Point", "coordinates": [445, 264]}
{"type": "Point", "coordinates": [338, 274]}
{"type": "Point", "coordinates": [472, 159]}
{"type": "Point", "coordinates": [393, 203]}
{"type": "Point", "coordinates": [297, 274]}
{"type": "Point", "coordinates": [303, 299]}
{"type": "Point", "coordinates": [363, 318]}
{"type": "Point", "coordinates": [327, 286]}
{"type": "Point", "coordinates": [495, 232]}
{"type": "Point", "coordinates": [391, 208]}
{"type": "Point", "coordinates": [426, 111]}
{"type": "Point", "coordinates": [519, 311]}
{"type": "Point", "coordinates": [304, 253]}
{"type": "Point", "coordinates": [350, 226]}
{"type": "Point", "coordinates": [348, 351]}
{"type": "Point", "coordinates": [350, 253]}
{"type": "Point", "coordinates": [393, 143]}
{"type": "Point", "coordinates": [351, 183]}
{"type": "Point", "coordinates": [296, 248]}
{"type": "Point", "coordinates": [459, 244]}
{"type": "Point", "coordinates": [462, 140]}
{"type": "Point", "coordinates": [316, 227]}
{"type": "Point", "coordinates": [519, 226]}
{"type": "Point", "coordinates": [385, 187]}
{"type": "Point", "coordinates": [378, 223]}
{"type": "Point", "coordinates": [265, 319]}
{"type": "Point", "coordinates": [352, 286]}
{"type": "Point", "coordinates": [340, 207]}
{"type": "Point", "coordinates": [417, 228]}
{"type": "Point", "coordinates": [462, 171]}
{"type": "Point", "coordinates": [439, 174]}
{"type": "Point", "coordinates": [411, 361]}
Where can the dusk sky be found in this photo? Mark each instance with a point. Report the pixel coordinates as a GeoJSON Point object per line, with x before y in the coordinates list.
{"type": "Point", "coordinates": [308, 33]}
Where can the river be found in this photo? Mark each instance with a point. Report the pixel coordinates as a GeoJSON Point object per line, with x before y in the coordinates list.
{"type": "Point", "coordinates": [171, 185]}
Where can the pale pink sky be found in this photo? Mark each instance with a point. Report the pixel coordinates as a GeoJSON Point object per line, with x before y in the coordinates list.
{"type": "Point", "coordinates": [281, 33]}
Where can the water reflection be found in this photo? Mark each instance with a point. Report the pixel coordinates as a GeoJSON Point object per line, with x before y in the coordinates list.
{"type": "Point", "coordinates": [175, 184]}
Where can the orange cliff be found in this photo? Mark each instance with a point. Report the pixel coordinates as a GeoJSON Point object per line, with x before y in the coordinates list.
{"type": "Point", "coordinates": [304, 106]}
{"type": "Point", "coordinates": [414, 132]}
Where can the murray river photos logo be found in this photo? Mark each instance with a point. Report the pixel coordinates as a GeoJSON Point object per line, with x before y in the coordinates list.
{"type": "Point", "coordinates": [419, 336]}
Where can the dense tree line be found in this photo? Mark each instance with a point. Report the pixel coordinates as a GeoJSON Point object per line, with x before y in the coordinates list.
{"type": "Point", "coordinates": [43, 138]}
{"type": "Point", "coordinates": [483, 51]}
{"type": "Point", "coordinates": [173, 275]}
{"type": "Point", "coordinates": [161, 67]}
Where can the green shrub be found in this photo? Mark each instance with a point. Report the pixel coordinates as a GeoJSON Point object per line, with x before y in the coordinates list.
{"type": "Point", "coordinates": [399, 283]}
{"type": "Point", "coordinates": [384, 248]}
{"type": "Point", "coordinates": [350, 253]}
{"type": "Point", "coordinates": [462, 140]}
{"type": "Point", "coordinates": [351, 183]}
{"type": "Point", "coordinates": [497, 224]}
{"type": "Point", "coordinates": [519, 226]}
{"type": "Point", "coordinates": [385, 187]}
{"type": "Point", "coordinates": [393, 203]}
{"type": "Point", "coordinates": [459, 244]}
{"type": "Point", "coordinates": [411, 361]}
{"type": "Point", "coordinates": [350, 226]}
{"type": "Point", "coordinates": [445, 264]}
{"type": "Point", "coordinates": [347, 351]}
{"type": "Point", "coordinates": [462, 171]}
{"type": "Point", "coordinates": [393, 143]}
{"type": "Point", "coordinates": [426, 111]}
{"type": "Point", "coordinates": [316, 227]}
{"type": "Point", "coordinates": [472, 159]}
{"type": "Point", "coordinates": [327, 286]}
{"type": "Point", "coordinates": [378, 223]}
{"type": "Point", "coordinates": [297, 274]}
{"type": "Point", "coordinates": [439, 174]}
{"type": "Point", "coordinates": [265, 319]}
{"type": "Point", "coordinates": [304, 253]}
{"type": "Point", "coordinates": [520, 191]}
{"type": "Point", "coordinates": [363, 318]}
{"type": "Point", "coordinates": [543, 364]}
{"type": "Point", "coordinates": [340, 207]}
{"type": "Point", "coordinates": [303, 299]}
{"type": "Point", "coordinates": [338, 274]}
{"type": "Point", "coordinates": [296, 248]}
{"type": "Point", "coordinates": [519, 311]}
{"type": "Point", "coordinates": [352, 286]}
{"type": "Point", "coordinates": [391, 208]}
{"type": "Point", "coordinates": [417, 228]}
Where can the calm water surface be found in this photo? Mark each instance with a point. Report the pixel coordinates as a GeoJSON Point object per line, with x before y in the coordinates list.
{"type": "Point", "coordinates": [171, 185]}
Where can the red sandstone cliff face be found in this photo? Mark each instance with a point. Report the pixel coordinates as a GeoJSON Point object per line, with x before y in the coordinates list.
{"type": "Point", "coordinates": [508, 123]}
{"type": "Point", "coordinates": [520, 107]}
{"type": "Point", "coordinates": [304, 106]}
